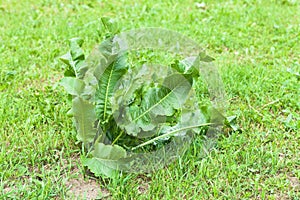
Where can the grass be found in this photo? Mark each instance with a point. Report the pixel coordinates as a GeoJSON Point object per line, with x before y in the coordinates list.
{"type": "Point", "coordinates": [256, 46]}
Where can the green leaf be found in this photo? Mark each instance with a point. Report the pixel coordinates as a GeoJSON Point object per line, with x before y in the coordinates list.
{"type": "Point", "coordinates": [189, 120]}
{"type": "Point", "coordinates": [205, 58]}
{"type": "Point", "coordinates": [114, 68]}
{"type": "Point", "coordinates": [72, 85]}
{"type": "Point", "coordinates": [76, 51]}
{"type": "Point", "coordinates": [110, 26]}
{"type": "Point", "coordinates": [158, 102]}
{"type": "Point", "coordinates": [105, 160]}
{"type": "Point", "coordinates": [67, 58]}
{"type": "Point", "coordinates": [231, 122]}
{"type": "Point", "coordinates": [185, 66]}
{"type": "Point", "coordinates": [74, 59]}
{"type": "Point", "coordinates": [85, 117]}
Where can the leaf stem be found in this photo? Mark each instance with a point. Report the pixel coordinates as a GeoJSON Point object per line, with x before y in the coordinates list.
{"type": "Point", "coordinates": [169, 134]}
{"type": "Point", "coordinates": [117, 138]}
{"type": "Point", "coordinates": [73, 64]}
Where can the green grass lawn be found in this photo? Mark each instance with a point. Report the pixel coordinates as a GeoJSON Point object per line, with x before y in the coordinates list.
{"type": "Point", "coordinates": [257, 49]}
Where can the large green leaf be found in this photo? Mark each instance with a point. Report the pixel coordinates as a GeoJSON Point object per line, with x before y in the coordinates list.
{"type": "Point", "coordinates": [158, 101]}
{"type": "Point", "coordinates": [106, 86]}
{"type": "Point", "coordinates": [82, 109]}
{"type": "Point", "coordinates": [85, 117]}
{"type": "Point", "coordinates": [105, 160]}
{"type": "Point", "coordinates": [114, 68]}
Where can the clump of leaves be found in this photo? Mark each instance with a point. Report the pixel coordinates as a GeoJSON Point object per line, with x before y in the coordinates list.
{"type": "Point", "coordinates": [123, 113]}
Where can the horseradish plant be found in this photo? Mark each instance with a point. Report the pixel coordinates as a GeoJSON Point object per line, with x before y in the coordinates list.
{"type": "Point", "coordinates": [122, 112]}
